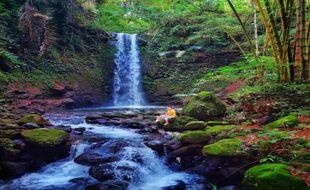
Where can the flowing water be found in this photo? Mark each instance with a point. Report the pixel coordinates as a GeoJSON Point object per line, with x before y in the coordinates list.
{"type": "Point", "coordinates": [150, 173]}
{"type": "Point", "coordinates": [127, 90]}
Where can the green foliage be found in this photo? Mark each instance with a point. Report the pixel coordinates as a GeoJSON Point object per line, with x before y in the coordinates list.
{"type": "Point", "coordinates": [276, 135]}
{"type": "Point", "coordinates": [11, 58]}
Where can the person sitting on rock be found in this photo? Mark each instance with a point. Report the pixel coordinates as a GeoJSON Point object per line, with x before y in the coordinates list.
{"type": "Point", "coordinates": [164, 118]}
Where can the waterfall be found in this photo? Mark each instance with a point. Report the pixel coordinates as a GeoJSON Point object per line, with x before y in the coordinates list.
{"type": "Point", "coordinates": [127, 89]}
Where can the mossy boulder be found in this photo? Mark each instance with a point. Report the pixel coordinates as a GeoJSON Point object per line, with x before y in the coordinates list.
{"type": "Point", "coordinates": [34, 118]}
{"type": "Point", "coordinates": [213, 123]}
{"type": "Point", "coordinates": [216, 130]}
{"type": "Point", "coordinates": [178, 123]}
{"type": "Point", "coordinates": [287, 121]}
{"type": "Point", "coordinates": [45, 137]}
{"type": "Point", "coordinates": [195, 125]}
{"type": "Point", "coordinates": [194, 137]}
{"type": "Point", "coordinates": [272, 177]}
{"type": "Point", "coordinates": [225, 147]}
{"type": "Point", "coordinates": [203, 136]}
{"type": "Point", "coordinates": [204, 106]}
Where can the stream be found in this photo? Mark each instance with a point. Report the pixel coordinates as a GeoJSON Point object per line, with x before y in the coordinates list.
{"type": "Point", "coordinates": [150, 170]}
{"type": "Point", "coordinates": [119, 151]}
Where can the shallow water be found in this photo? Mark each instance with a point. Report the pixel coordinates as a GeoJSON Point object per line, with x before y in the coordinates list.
{"type": "Point", "coordinates": [151, 171]}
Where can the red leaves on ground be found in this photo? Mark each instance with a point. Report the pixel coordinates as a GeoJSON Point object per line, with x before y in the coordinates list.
{"type": "Point", "coordinates": [304, 119]}
{"type": "Point", "coordinates": [236, 85]}
{"type": "Point", "coordinates": [304, 133]}
{"type": "Point", "coordinates": [264, 105]}
{"type": "Point", "coordinates": [250, 127]}
{"type": "Point", "coordinates": [250, 139]}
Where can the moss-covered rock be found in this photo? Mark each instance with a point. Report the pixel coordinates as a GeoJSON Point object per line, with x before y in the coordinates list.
{"type": "Point", "coordinates": [195, 125]}
{"type": "Point", "coordinates": [178, 123]}
{"type": "Point", "coordinates": [45, 137]}
{"type": "Point", "coordinates": [272, 177]}
{"type": "Point", "coordinates": [213, 123]}
{"type": "Point", "coordinates": [216, 130]}
{"type": "Point", "coordinates": [225, 147]}
{"type": "Point", "coordinates": [204, 106]}
{"type": "Point", "coordinates": [194, 137]}
{"type": "Point", "coordinates": [200, 136]}
{"type": "Point", "coordinates": [287, 121]}
{"type": "Point", "coordinates": [34, 118]}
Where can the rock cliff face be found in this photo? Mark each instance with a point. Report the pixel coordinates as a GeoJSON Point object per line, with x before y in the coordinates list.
{"type": "Point", "coordinates": [176, 71]}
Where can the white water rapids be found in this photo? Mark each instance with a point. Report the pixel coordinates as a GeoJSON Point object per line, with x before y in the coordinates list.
{"type": "Point", "coordinates": [152, 172]}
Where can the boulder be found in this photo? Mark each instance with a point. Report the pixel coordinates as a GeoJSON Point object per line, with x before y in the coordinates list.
{"type": "Point", "coordinates": [109, 171]}
{"type": "Point", "coordinates": [178, 123]}
{"type": "Point", "coordinates": [204, 106]}
{"type": "Point", "coordinates": [220, 129]}
{"type": "Point", "coordinates": [180, 185]}
{"type": "Point", "coordinates": [198, 137]}
{"type": "Point", "coordinates": [189, 150]}
{"type": "Point", "coordinates": [109, 185]}
{"type": "Point", "coordinates": [194, 137]}
{"type": "Point", "coordinates": [287, 121]}
{"type": "Point", "coordinates": [156, 145]}
{"type": "Point", "coordinates": [195, 125]}
{"type": "Point", "coordinates": [45, 137]}
{"type": "Point", "coordinates": [214, 123]}
{"type": "Point", "coordinates": [101, 153]}
{"type": "Point", "coordinates": [225, 147]}
{"type": "Point", "coordinates": [34, 118]}
{"type": "Point", "coordinates": [273, 176]}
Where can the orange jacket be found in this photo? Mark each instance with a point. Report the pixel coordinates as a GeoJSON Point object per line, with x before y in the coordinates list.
{"type": "Point", "coordinates": [171, 112]}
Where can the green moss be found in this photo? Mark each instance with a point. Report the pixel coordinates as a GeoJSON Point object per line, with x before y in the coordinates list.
{"type": "Point", "coordinates": [45, 137]}
{"type": "Point", "coordinates": [198, 137]}
{"type": "Point", "coordinates": [225, 147]}
{"type": "Point", "coordinates": [34, 118]}
{"type": "Point", "coordinates": [194, 137]}
{"type": "Point", "coordinates": [204, 106]}
{"type": "Point", "coordinates": [216, 130]}
{"type": "Point", "coordinates": [195, 125]}
{"type": "Point", "coordinates": [272, 177]}
{"type": "Point", "coordinates": [287, 121]}
{"type": "Point", "coordinates": [178, 123]}
{"type": "Point", "coordinates": [213, 123]}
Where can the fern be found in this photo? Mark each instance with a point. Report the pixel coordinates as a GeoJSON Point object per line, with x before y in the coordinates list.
{"type": "Point", "coordinates": [13, 59]}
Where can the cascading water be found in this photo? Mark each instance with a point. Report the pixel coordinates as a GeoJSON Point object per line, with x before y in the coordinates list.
{"type": "Point", "coordinates": [127, 89]}
{"type": "Point", "coordinates": [147, 171]}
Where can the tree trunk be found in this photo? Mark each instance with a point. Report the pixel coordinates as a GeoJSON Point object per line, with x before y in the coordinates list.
{"type": "Point", "coordinates": [300, 64]}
